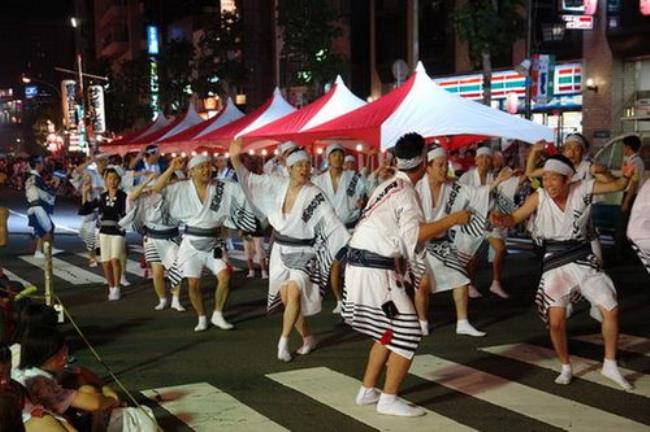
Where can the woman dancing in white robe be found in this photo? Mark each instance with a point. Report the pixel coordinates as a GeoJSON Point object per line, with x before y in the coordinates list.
{"type": "Point", "coordinates": [308, 234]}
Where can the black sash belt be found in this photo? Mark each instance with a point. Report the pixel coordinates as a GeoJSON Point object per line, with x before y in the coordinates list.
{"type": "Point", "coordinates": [165, 234]}
{"type": "Point", "coordinates": [559, 253]}
{"type": "Point", "coordinates": [202, 232]}
{"type": "Point", "coordinates": [291, 241]}
{"type": "Point", "coordinates": [364, 258]}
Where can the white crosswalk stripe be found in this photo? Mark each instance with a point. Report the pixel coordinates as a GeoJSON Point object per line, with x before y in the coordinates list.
{"type": "Point", "coordinates": [583, 368]}
{"type": "Point", "coordinates": [205, 408]}
{"type": "Point", "coordinates": [132, 267]}
{"type": "Point", "coordinates": [14, 277]}
{"type": "Point", "coordinates": [338, 391]}
{"type": "Point", "coordinates": [64, 270]}
{"type": "Point", "coordinates": [635, 344]}
{"type": "Point", "coordinates": [539, 405]}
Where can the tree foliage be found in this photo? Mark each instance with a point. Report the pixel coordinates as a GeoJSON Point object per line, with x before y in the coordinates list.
{"type": "Point", "coordinates": [489, 27]}
{"type": "Point", "coordinates": [308, 30]}
{"type": "Point", "coordinates": [126, 97]}
{"type": "Point", "coordinates": [219, 60]}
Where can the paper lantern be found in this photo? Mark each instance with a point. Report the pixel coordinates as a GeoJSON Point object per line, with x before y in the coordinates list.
{"type": "Point", "coordinates": [512, 103]}
{"type": "Point", "coordinates": [590, 7]}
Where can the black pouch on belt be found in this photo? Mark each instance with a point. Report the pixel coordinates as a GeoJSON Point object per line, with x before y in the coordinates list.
{"type": "Point", "coordinates": [390, 310]}
{"type": "Point", "coordinates": [218, 253]}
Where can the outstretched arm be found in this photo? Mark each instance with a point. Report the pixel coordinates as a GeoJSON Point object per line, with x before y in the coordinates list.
{"type": "Point", "coordinates": [521, 214]}
{"type": "Point", "coordinates": [134, 195]}
{"type": "Point", "coordinates": [163, 180]}
{"type": "Point", "coordinates": [535, 152]}
{"type": "Point", "coordinates": [615, 185]}
{"type": "Point", "coordinates": [429, 230]}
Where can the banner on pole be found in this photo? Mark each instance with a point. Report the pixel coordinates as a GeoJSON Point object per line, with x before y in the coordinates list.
{"type": "Point", "coordinates": [542, 77]}
{"type": "Point", "coordinates": [68, 102]}
{"type": "Point", "coordinates": [98, 114]}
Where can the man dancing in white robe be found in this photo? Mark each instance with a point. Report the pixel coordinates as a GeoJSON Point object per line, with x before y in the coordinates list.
{"type": "Point", "coordinates": [570, 269]}
{"type": "Point", "coordinates": [482, 175]}
{"type": "Point", "coordinates": [448, 258]}
{"type": "Point", "coordinates": [346, 193]}
{"type": "Point", "coordinates": [376, 300]}
{"type": "Point", "coordinates": [308, 236]}
{"type": "Point", "coordinates": [204, 206]}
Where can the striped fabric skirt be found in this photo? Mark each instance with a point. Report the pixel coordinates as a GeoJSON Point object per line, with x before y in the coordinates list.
{"type": "Point", "coordinates": [447, 267]}
{"type": "Point", "coordinates": [88, 231]}
{"type": "Point", "coordinates": [164, 252]}
{"type": "Point", "coordinates": [365, 291]}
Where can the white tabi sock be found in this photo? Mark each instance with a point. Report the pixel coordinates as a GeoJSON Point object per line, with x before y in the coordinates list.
{"type": "Point", "coordinates": [463, 327]}
{"type": "Point", "coordinates": [473, 292]}
{"type": "Point", "coordinates": [308, 345]}
{"type": "Point", "coordinates": [251, 274]}
{"type": "Point", "coordinates": [565, 376]}
{"type": "Point", "coordinates": [162, 304]}
{"type": "Point", "coordinates": [392, 405]}
{"type": "Point", "coordinates": [424, 326]}
{"type": "Point", "coordinates": [219, 321]}
{"type": "Point", "coordinates": [610, 370]}
{"type": "Point", "coordinates": [283, 349]}
{"type": "Point", "coordinates": [114, 293]}
{"type": "Point", "coordinates": [337, 309]}
{"type": "Point", "coordinates": [124, 282]}
{"type": "Point", "coordinates": [202, 324]}
{"type": "Point", "coordinates": [176, 304]}
{"type": "Point", "coordinates": [367, 396]}
{"type": "Point", "coordinates": [265, 274]}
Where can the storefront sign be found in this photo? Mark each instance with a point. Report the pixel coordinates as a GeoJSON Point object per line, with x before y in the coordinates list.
{"type": "Point", "coordinates": [578, 22]}
{"type": "Point", "coordinates": [542, 77]}
{"type": "Point", "coordinates": [96, 102]}
{"type": "Point", "coordinates": [68, 96]}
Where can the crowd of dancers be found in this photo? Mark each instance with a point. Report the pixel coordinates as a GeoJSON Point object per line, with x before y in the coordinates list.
{"type": "Point", "coordinates": [382, 243]}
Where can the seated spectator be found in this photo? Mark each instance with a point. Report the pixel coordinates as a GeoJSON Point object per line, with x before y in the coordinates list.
{"type": "Point", "coordinates": [17, 411]}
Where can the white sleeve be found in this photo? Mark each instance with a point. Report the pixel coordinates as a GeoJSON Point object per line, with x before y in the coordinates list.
{"type": "Point", "coordinates": [465, 178]}
{"type": "Point", "coordinates": [409, 217]}
{"type": "Point", "coordinates": [31, 191]}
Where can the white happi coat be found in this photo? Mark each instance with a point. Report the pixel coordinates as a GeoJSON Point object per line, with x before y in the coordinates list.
{"type": "Point", "coordinates": [351, 188]}
{"type": "Point", "coordinates": [389, 227]}
{"type": "Point", "coordinates": [638, 229]}
{"type": "Point", "coordinates": [447, 257]}
{"type": "Point", "coordinates": [311, 218]}
{"type": "Point", "coordinates": [225, 205]}
{"type": "Point", "coordinates": [88, 228]}
{"type": "Point", "coordinates": [150, 211]}
{"type": "Point", "coordinates": [583, 276]}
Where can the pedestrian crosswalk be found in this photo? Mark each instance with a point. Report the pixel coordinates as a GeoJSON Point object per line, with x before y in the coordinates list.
{"type": "Point", "coordinates": [65, 270]}
{"type": "Point", "coordinates": [204, 407]}
{"type": "Point", "coordinates": [626, 342]}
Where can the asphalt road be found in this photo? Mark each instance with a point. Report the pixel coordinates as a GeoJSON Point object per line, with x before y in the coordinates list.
{"type": "Point", "coordinates": [231, 380]}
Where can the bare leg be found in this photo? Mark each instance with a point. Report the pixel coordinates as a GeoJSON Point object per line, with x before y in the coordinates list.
{"type": "Point", "coordinates": [196, 297]}
{"type": "Point", "coordinates": [609, 329]}
{"type": "Point", "coordinates": [117, 270]}
{"type": "Point", "coordinates": [422, 299]}
{"type": "Point", "coordinates": [397, 368]}
{"type": "Point", "coordinates": [461, 300]}
{"type": "Point", "coordinates": [557, 330]}
{"type": "Point", "coordinates": [223, 290]}
{"type": "Point", "coordinates": [158, 272]}
{"type": "Point", "coordinates": [335, 279]}
{"type": "Point", "coordinates": [301, 327]}
{"type": "Point", "coordinates": [108, 273]}
{"type": "Point", "coordinates": [376, 361]}
{"type": "Point", "coordinates": [499, 247]}
{"type": "Point", "coordinates": [291, 309]}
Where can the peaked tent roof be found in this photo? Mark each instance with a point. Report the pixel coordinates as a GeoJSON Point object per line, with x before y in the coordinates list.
{"type": "Point", "coordinates": [120, 143]}
{"type": "Point", "coordinates": [421, 106]}
{"type": "Point", "coordinates": [337, 101]}
{"type": "Point", "coordinates": [180, 123]}
{"type": "Point", "coordinates": [182, 141]}
{"type": "Point", "coordinates": [273, 109]}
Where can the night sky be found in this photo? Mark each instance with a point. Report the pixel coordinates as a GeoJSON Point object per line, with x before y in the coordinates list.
{"type": "Point", "coordinates": [35, 36]}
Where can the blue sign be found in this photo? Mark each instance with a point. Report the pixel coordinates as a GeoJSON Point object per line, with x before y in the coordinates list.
{"type": "Point", "coordinates": [31, 92]}
{"type": "Point", "coordinates": [153, 45]}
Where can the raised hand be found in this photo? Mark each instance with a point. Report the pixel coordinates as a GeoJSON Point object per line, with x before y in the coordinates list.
{"type": "Point", "coordinates": [462, 217]}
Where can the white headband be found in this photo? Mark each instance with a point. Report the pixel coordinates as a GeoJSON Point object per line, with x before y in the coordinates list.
{"type": "Point", "coordinates": [198, 160]}
{"type": "Point", "coordinates": [100, 156]}
{"type": "Point", "coordinates": [435, 153]}
{"type": "Point", "coordinates": [407, 164]}
{"type": "Point", "coordinates": [286, 146]}
{"type": "Point", "coordinates": [557, 166]}
{"type": "Point", "coordinates": [333, 147]}
{"type": "Point", "coordinates": [577, 138]}
{"type": "Point", "coordinates": [484, 151]}
{"type": "Point", "coordinates": [297, 156]}
{"type": "Point", "coordinates": [350, 158]}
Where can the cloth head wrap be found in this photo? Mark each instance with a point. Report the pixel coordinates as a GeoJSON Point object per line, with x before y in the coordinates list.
{"type": "Point", "coordinates": [484, 151]}
{"type": "Point", "coordinates": [435, 153]}
{"type": "Point", "coordinates": [407, 164]}
{"type": "Point", "coordinates": [576, 138]}
{"type": "Point", "coordinates": [297, 156]}
{"type": "Point", "coordinates": [102, 156]}
{"type": "Point", "coordinates": [151, 149]}
{"type": "Point", "coordinates": [558, 166]}
{"type": "Point", "coordinates": [350, 158]}
{"type": "Point", "coordinates": [198, 160]}
{"type": "Point", "coordinates": [286, 146]}
{"type": "Point", "coordinates": [118, 169]}
{"type": "Point", "coordinates": [333, 147]}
